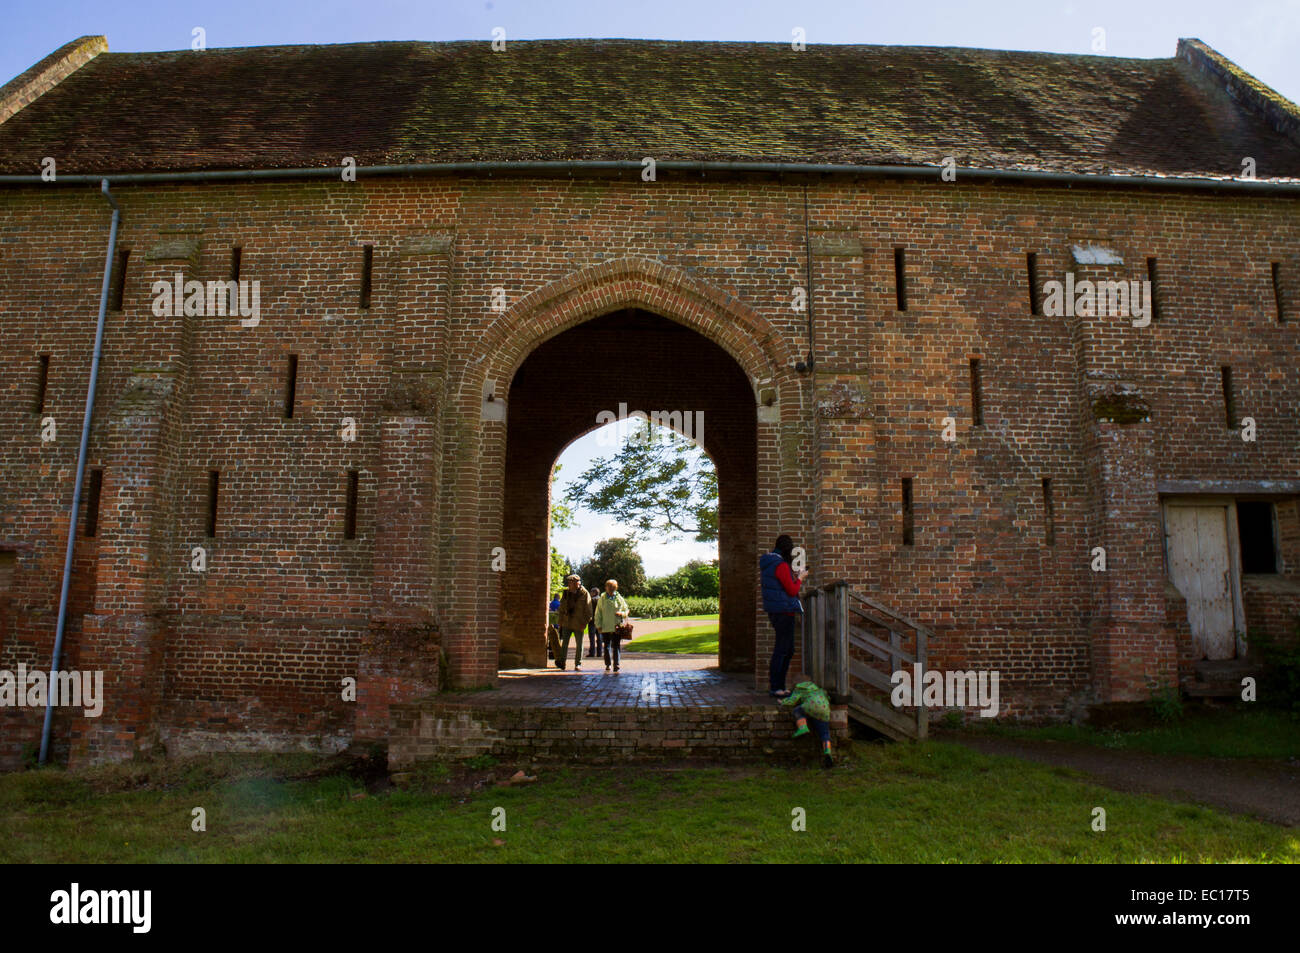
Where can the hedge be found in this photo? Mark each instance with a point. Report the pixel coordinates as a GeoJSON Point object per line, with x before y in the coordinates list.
{"type": "Point", "coordinates": [643, 607]}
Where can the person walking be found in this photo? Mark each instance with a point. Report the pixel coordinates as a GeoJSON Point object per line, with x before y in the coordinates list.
{"type": "Point", "coordinates": [593, 634]}
{"type": "Point", "coordinates": [574, 614]}
{"type": "Point", "coordinates": [611, 612]}
{"type": "Point", "coordinates": [781, 602]}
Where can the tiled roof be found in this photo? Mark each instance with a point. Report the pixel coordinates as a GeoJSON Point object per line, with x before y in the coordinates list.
{"type": "Point", "coordinates": [382, 103]}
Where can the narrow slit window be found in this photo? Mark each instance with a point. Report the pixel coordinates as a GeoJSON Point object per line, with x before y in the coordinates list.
{"type": "Point", "coordinates": [290, 385]}
{"type": "Point", "coordinates": [214, 490]}
{"type": "Point", "coordinates": [367, 265]}
{"type": "Point", "coordinates": [976, 393]}
{"type": "Point", "coordinates": [1049, 513]}
{"type": "Point", "coordinates": [93, 490]}
{"type": "Point", "coordinates": [1229, 397]}
{"type": "Point", "coordinates": [1153, 277]}
{"type": "Point", "coordinates": [909, 534]}
{"type": "Point", "coordinates": [117, 279]}
{"type": "Point", "coordinates": [42, 381]}
{"type": "Point", "coordinates": [350, 511]}
{"type": "Point", "coordinates": [236, 262]}
{"type": "Point", "coordinates": [1031, 271]}
{"type": "Point", "coordinates": [1277, 291]}
{"type": "Point", "coordinates": [900, 278]}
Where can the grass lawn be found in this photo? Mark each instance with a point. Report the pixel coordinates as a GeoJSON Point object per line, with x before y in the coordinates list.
{"type": "Point", "coordinates": [682, 618]}
{"type": "Point", "coordinates": [933, 802]}
{"type": "Point", "coordinates": [685, 639]}
{"type": "Point", "coordinates": [1235, 733]}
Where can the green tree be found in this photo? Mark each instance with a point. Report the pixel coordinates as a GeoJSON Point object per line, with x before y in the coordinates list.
{"type": "Point", "coordinates": [561, 514]}
{"type": "Point", "coordinates": [699, 579]}
{"type": "Point", "coordinates": [561, 518]}
{"type": "Point", "coordinates": [696, 580]}
{"type": "Point", "coordinates": [560, 567]}
{"type": "Point", "coordinates": [615, 559]}
{"type": "Point", "coordinates": [658, 482]}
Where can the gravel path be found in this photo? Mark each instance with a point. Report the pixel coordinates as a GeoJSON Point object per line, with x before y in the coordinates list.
{"type": "Point", "coordinates": [1266, 789]}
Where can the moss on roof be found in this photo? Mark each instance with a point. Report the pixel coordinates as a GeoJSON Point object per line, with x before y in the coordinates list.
{"type": "Point", "coordinates": [300, 106]}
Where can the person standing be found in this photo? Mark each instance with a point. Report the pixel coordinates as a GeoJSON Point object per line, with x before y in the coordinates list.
{"type": "Point", "coordinates": [553, 628]}
{"type": "Point", "coordinates": [574, 614]}
{"type": "Point", "coordinates": [781, 602]}
{"type": "Point", "coordinates": [611, 612]}
{"type": "Point", "coordinates": [593, 634]}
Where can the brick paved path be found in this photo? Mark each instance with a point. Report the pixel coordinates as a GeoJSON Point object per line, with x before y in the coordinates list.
{"type": "Point", "coordinates": [637, 662]}
{"type": "Point", "coordinates": [551, 688]}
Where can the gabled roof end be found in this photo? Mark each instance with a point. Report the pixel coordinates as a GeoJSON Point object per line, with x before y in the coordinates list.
{"type": "Point", "coordinates": [29, 86]}
{"type": "Point", "coordinates": [1279, 112]}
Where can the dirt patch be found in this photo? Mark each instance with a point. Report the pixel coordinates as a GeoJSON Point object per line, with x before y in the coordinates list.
{"type": "Point", "coordinates": [1269, 790]}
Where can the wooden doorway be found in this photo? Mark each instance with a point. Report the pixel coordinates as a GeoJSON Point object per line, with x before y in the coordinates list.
{"type": "Point", "coordinates": [1203, 562]}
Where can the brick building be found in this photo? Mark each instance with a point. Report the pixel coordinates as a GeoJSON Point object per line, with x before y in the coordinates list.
{"type": "Point", "coordinates": [275, 502]}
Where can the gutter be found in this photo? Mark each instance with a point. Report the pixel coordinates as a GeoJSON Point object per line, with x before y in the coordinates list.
{"type": "Point", "coordinates": [81, 475]}
{"type": "Point", "coordinates": [1069, 179]}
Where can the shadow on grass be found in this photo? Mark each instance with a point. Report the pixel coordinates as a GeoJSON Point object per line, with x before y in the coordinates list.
{"type": "Point", "coordinates": [1221, 732]}
{"type": "Point", "coordinates": [926, 803]}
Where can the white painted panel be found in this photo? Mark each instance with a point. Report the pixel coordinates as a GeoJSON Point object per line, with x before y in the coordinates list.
{"type": "Point", "coordinates": [1200, 566]}
{"type": "Point", "coordinates": [1216, 584]}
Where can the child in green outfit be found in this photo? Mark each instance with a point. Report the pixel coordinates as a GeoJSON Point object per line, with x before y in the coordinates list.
{"type": "Point", "coordinates": [811, 704]}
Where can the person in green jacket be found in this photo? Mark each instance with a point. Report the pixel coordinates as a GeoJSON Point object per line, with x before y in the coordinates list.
{"type": "Point", "coordinates": [811, 704]}
{"type": "Point", "coordinates": [611, 612]}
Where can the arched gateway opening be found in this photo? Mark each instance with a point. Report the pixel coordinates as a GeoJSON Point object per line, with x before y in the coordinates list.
{"type": "Point", "coordinates": [649, 363]}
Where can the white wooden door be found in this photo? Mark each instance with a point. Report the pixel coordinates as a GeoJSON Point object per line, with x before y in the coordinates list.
{"type": "Point", "coordinates": [1200, 565]}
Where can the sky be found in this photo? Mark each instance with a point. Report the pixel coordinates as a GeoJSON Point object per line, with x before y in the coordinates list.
{"type": "Point", "coordinates": [659, 556]}
{"type": "Point", "coordinates": [1261, 36]}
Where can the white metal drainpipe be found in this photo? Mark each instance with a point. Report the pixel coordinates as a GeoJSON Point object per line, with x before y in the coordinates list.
{"type": "Point", "coordinates": [81, 475]}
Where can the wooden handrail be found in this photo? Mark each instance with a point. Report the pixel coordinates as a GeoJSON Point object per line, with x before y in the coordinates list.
{"type": "Point", "coordinates": [829, 636]}
{"type": "Point", "coordinates": [890, 612]}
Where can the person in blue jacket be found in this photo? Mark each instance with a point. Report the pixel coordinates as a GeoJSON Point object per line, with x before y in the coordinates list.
{"type": "Point", "coordinates": [782, 605]}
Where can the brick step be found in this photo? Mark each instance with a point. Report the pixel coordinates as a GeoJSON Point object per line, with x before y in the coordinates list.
{"type": "Point", "coordinates": [439, 730]}
{"type": "Point", "coordinates": [1219, 678]}
{"type": "Point", "coordinates": [1196, 689]}
{"type": "Point", "coordinates": [1208, 670]}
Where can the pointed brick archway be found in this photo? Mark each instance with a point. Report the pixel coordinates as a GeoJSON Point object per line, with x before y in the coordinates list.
{"type": "Point", "coordinates": [627, 360]}
{"type": "Point", "coordinates": [632, 283]}
{"type": "Point", "coordinates": [604, 297]}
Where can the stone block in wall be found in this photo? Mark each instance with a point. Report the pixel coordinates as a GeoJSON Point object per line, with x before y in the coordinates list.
{"type": "Point", "coordinates": [844, 396]}
{"type": "Point", "coordinates": [413, 393]}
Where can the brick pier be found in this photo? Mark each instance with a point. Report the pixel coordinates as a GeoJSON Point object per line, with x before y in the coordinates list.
{"type": "Point", "coordinates": [598, 717]}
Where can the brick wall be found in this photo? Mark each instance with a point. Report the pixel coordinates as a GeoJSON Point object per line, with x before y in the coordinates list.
{"type": "Point", "coordinates": [256, 647]}
{"type": "Point", "coordinates": [433, 731]}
